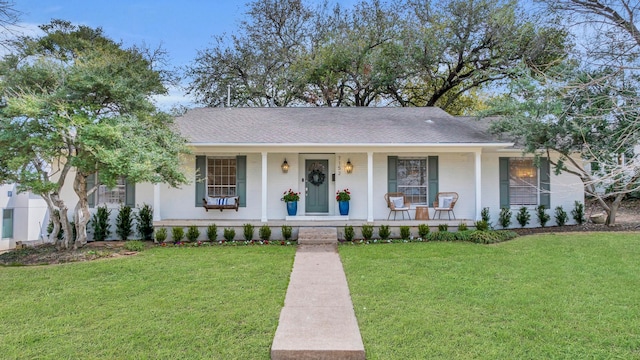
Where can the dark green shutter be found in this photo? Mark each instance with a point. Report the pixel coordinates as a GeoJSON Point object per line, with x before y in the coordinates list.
{"type": "Point", "coordinates": [392, 174]}
{"type": "Point", "coordinates": [505, 202]}
{"type": "Point", "coordinates": [432, 173]}
{"type": "Point", "coordinates": [91, 182]}
{"type": "Point", "coordinates": [241, 179]}
{"type": "Point", "coordinates": [545, 183]}
{"type": "Point", "coordinates": [201, 176]}
{"type": "Point", "coordinates": [129, 193]}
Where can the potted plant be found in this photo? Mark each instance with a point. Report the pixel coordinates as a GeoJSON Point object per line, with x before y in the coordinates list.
{"type": "Point", "coordinates": [342, 197]}
{"type": "Point", "coordinates": [291, 198]}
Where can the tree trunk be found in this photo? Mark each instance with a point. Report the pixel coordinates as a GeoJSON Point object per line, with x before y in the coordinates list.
{"type": "Point", "coordinates": [81, 213]}
{"type": "Point", "coordinates": [64, 221]}
{"type": "Point", "coordinates": [613, 209]}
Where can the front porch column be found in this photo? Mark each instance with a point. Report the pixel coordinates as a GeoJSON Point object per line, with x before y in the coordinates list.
{"type": "Point", "coordinates": [369, 186]}
{"type": "Point", "coordinates": [156, 202]}
{"type": "Point", "coordinates": [263, 218]}
{"type": "Point", "coordinates": [478, 161]}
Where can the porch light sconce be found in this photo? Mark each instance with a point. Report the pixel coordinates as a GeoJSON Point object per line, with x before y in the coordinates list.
{"type": "Point", "coordinates": [285, 166]}
{"type": "Point", "coordinates": [348, 167]}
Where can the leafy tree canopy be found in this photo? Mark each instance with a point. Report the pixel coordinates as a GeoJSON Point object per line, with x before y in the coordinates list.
{"type": "Point", "coordinates": [76, 102]}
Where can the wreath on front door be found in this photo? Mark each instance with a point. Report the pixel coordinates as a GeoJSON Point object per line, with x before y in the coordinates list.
{"type": "Point", "coordinates": [316, 177]}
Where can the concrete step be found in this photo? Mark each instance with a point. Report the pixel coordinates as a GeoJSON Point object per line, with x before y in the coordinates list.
{"type": "Point", "coordinates": [318, 236]}
{"type": "Point", "coordinates": [317, 320]}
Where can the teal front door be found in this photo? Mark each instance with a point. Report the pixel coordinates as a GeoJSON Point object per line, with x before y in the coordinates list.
{"type": "Point", "coordinates": [317, 186]}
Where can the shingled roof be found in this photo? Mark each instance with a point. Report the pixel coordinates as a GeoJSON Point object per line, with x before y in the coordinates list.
{"type": "Point", "coordinates": [340, 126]}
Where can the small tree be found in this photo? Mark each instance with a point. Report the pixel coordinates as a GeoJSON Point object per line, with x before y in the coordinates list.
{"type": "Point", "coordinates": [145, 222]}
{"type": "Point", "coordinates": [543, 217]}
{"type": "Point", "coordinates": [248, 231]}
{"type": "Point", "coordinates": [177, 233]}
{"type": "Point", "coordinates": [287, 231]}
{"type": "Point", "coordinates": [264, 232]}
{"type": "Point", "coordinates": [229, 234]}
{"type": "Point", "coordinates": [193, 233]}
{"type": "Point", "coordinates": [124, 222]}
{"type": "Point", "coordinates": [100, 223]}
{"type": "Point", "coordinates": [405, 232]}
{"type": "Point", "coordinates": [561, 216]}
{"type": "Point", "coordinates": [349, 233]}
{"type": "Point", "coordinates": [505, 217]}
{"type": "Point", "coordinates": [578, 212]}
{"type": "Point", "coordinates": [212, 232]}
{"type": "Point", "coordinates": [367, 231]}
{"type": "Point", "coordinates": [384, 232]}
{"type": "Point", "coordinates": [523, 217]}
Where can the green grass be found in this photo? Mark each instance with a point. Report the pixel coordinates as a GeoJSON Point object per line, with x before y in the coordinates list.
{"type": "Point", "coordinates": [164, 303]}
{"type": "Point", "coordinates": [569, 296]}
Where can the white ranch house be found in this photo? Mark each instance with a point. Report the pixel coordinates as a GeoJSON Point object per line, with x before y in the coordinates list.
{"type": "Point", "coordinates": [417, 151]}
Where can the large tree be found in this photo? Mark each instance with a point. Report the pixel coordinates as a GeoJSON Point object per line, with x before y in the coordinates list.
{"type": "Point", "coordinates": [76, 104]}
{"type": "Point", "coordinates": [401, 52]}
{"type": "Point", "coordinates": [589, 106]}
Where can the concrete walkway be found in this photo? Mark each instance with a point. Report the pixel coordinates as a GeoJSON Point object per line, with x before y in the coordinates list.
{"type": "Point", "coordinates": [317, 320]}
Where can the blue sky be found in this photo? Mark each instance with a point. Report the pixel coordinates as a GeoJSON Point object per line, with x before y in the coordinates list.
{"type": "Point", "coordinates": [181, 27]}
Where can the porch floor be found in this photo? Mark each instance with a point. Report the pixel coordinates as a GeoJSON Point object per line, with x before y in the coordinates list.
{"type": "Point", "coordinates": [305, 221]}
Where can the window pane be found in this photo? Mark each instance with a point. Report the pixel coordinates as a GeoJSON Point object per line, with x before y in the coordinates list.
{"type": "Point", "coordinates": [115, 195]}
{"type": "Point", "coordinates": [523, 182]}
{"type": "Point", "coordinates": [221, 177]}
{"type": "Point", "coordinates": [412, 179]}
{"type": "Point", "coordinates": [7, 223]}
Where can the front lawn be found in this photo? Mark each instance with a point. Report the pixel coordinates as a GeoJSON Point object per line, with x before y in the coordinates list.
{"type": "Point", "coordinates": [165, 303]}
{"type": "Point", "coordinates": [569, 296]}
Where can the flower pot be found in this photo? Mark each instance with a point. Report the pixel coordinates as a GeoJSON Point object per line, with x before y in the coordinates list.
{"type": "Point", "coordinates": [292, 208]}
{"type": "Point", "coordinates": [344, 207]}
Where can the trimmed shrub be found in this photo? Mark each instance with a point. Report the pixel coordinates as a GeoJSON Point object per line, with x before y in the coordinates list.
{"type": "Point", "coordinates": [423, 231]}
{"type": "Point", "coordinates": [504, 235]}
{"type": "Point", "coordinates": [523, 216]}
{"type": "Point", "coordinates": [287, 231]}
{"type": "Point", "coordinates": [265, 232]}
{"type": "Point", "coordinates": [124, 222]}
{"type": "Point", "coordinates": [482, 225]}
{"type": "Point", "coordinates": [485, 215]}
{"type": "Point", "coordinates": [463, 227]}
{"type": "Point", "coordinates": [229, 234]}
{"type": "Point", "coordinates": [543, 217]}
{"type": "Point", "coordinates": [384, 233]}
{"type": "Point", "coordinates": [405, 232]}
{"type": "Point", "coordinates": [561, 216]}
{"type": "Point", "coordinates": [484, 237]}
{"type": "Point", "coordinates": [212, 232]}
{"type": "Point", "coordinates": [193, 233]}
{"type": "Point", "coordinates": [367, 231]}
{"type": "Point", "coordinates": [134, 245]}
{"type": "Point", "coordinates": [443, 227]}
{"type": "Point", "coordinates": [578, 213]}
{"type": "Point", "coordinates": [504, 219]}
{"type": "Point", "coordinates": [145, 222]}
{"type": "Point", "coordinates": [442, 236]}
{"type": "Point", "coordinates": [247, 231]}
{"type": "Point", "coordinates": [100, 223]}
{"type": "Point", "coordinates": [161, 235]}
{"type": "Point", "coordinates": [464, 235]}
{"type": "Point", "coordinates": [177, 234]}
{"type": "Point", "coordinates": [349, 233]}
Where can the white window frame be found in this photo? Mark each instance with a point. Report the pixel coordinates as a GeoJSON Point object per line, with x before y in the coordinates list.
{"type": "Point", "coordinates": [221, 177]}
{"type": "Point", "coordinates": [114, 196]}
{"type": "Point", "coordinates": [524, 183]}
{"type": "Point", "coordinates": [422, 198]}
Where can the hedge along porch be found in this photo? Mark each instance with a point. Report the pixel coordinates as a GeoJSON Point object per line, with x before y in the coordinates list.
{"type": "Point", "coordinates": [418, 151]}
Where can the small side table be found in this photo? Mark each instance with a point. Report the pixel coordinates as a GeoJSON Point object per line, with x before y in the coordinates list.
{"type": "Point", "coordinates": [422, 212]}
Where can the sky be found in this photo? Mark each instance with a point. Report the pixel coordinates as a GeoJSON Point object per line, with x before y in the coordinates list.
{"type": "Point", "coordinates": [182, 27]}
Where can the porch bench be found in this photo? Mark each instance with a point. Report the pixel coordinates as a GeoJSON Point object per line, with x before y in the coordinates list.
{"type": "Point", "coordinates": [221, 203]}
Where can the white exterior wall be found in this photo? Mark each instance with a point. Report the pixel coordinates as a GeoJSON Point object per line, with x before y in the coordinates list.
{"type": "Point", "coordinates": [29, 216]}
{"type": "Point", "coordinates": [456, 173]}
{"type": "Point", "coordinates": [565, 189]}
